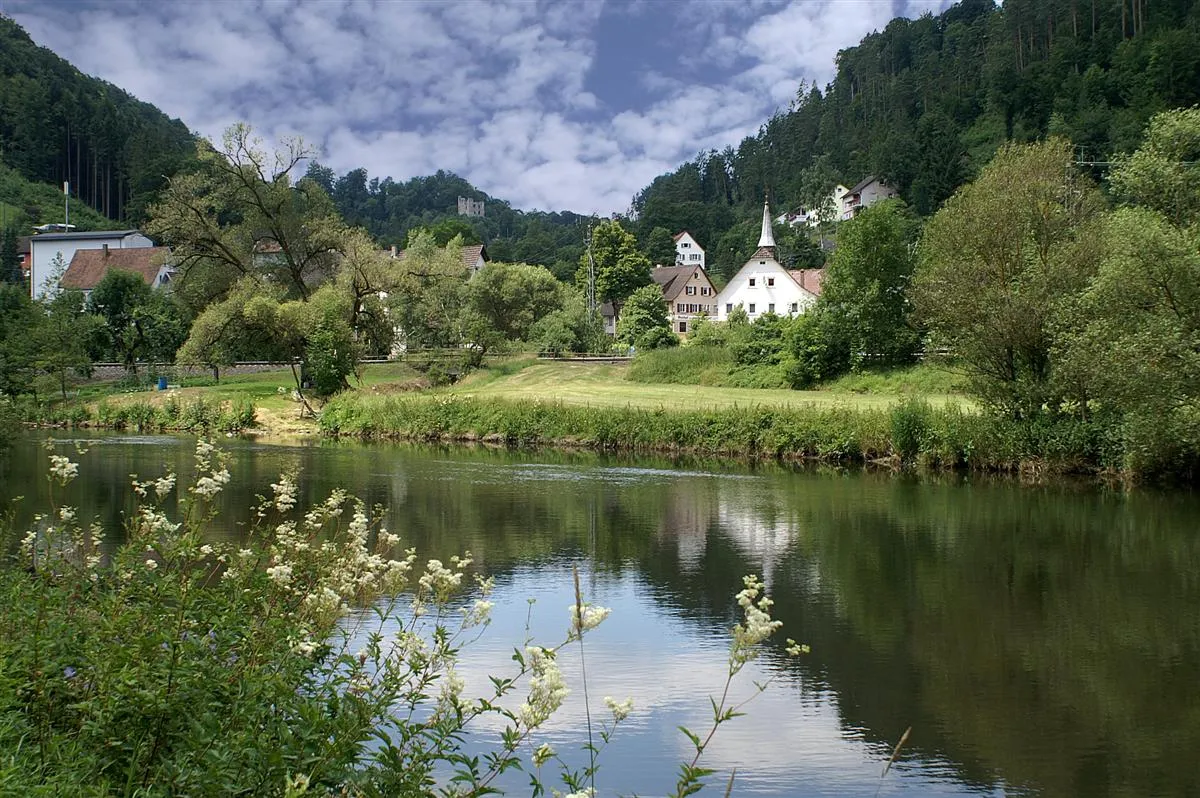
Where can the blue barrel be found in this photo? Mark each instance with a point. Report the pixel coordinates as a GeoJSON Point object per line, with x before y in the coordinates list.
{"type": "Point", "coordinates": [162, 383]}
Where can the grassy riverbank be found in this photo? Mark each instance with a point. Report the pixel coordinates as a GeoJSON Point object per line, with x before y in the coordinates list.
{"type": "Point", "coordinates": [912, 431]}
{"type": "Point", "coordinates": [609, 385]}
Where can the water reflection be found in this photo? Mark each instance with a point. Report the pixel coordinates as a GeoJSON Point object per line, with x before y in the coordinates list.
{"type": "Point", "coordinates": [1039, 640]}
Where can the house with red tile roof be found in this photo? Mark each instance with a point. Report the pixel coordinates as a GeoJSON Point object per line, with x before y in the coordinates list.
{"type": "Point", "coordinates": [88, 267]}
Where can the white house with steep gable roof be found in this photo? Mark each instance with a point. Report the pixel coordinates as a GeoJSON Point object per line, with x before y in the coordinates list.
{"type": "Point", "coordinates": [763, 285]}
{"type": "Point", "coordinates": [687, 251]}
{"type": "Point", "coordinates": [45, 247]}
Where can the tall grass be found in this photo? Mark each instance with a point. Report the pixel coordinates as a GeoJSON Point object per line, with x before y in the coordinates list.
{"type": "Point", "coordinates": [933, 437]}
{"type": "Point", "coordinates": [683, 365]}
{"type": "Point", "coordinates": [196, 414]}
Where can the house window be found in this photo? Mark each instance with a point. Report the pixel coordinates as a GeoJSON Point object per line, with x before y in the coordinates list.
{"type": "Point", "coordinates": [685, 245]}
{"type": "Point", "coordinates": [690, 290]}
{"type": "Point", "coordinates": [751, 307]}
{"type": "Point", "coordinates": [795, 307]}
{"type": "Point", "coordinates": [729, 307]}
{"type": "Point", "coordinates": [703, 290]}
{"type": "Point", "coordinates": [695, 256]}
{"type": "Point", "coordinates": [751, 282]}
{"type": "Point", "coordinates": [683, 326]}
{"type": "Point", "coordinates": [770, 282]}
{"type": "Point", "coordinates": [771, 308]}
{"type": "Point", "coordinates": [679, 307]}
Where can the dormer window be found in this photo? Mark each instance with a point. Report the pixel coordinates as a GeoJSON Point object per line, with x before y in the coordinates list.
{"type": "Point", "coordinates": [751, 282]}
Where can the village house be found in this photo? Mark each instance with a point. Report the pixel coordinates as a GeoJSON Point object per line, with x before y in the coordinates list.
{"type": "Point", "coordinates": [687, 251]}
{"type": "Point", "coordinates": [88, 267]}
{"type": "Point", "coordinates": [763, 285]}
{"type": "Point", "coordinates": [687, 292]}
{"type": "Point", "coordinates": [46, 247]}
{"type": "Point", "coordinates": [474, 256]}
{"type": "Point", "coordinates": [870, 191]}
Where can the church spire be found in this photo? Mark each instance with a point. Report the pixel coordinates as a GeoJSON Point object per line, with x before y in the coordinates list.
{"type": "Point", "coordinates": [767, 239]}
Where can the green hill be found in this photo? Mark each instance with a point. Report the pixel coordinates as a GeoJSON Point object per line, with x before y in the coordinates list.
{"type": "Point", "coordinates": [24, 203]}
{"type": "Point", "coordinates": [57, 124]}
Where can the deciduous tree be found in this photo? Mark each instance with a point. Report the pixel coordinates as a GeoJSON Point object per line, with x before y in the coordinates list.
{"type": "Point", "coordinates": [997, 261]}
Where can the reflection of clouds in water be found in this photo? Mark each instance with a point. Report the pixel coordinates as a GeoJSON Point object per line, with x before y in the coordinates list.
{"type": "Point", "coordinates": [791, 742]}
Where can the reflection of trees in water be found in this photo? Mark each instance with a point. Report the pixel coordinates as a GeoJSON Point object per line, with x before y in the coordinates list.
{"type": "Point", "coordinates": [1045, 637]}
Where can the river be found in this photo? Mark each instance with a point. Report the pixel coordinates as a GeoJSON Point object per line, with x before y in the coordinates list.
{"type": "Point", "coordinates": [1039, 640]}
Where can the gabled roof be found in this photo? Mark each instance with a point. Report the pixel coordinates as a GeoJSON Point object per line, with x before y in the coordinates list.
{"type": "Point", "coordinates": [683, 233]}
{"type": "Point", "coordinates": [674, 278]}
{"type": "Point", "coordinates": [866, 181]}
{"type": "Point", "coordinates": [808, 279]}
{"type": "Point", "coordinates": [104, 234]}
{"type": "Point", "coordinates": [471, 254]}
{"type": "Point", "coordinates": [89, 266]}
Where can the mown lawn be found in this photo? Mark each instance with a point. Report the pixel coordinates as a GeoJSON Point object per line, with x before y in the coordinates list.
{"type": "Point", "coordinates": [604, 385]}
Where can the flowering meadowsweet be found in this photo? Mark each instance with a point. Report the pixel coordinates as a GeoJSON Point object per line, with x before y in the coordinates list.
{"type": "Point", "coordinates": [62, 469]}
{"type": "Point", "coordinates": [542, 754]}
{"type": "Point", "coordinates": [757, 625]}
{"type": "Point", "coordinates": [795, 649]}
{"type": "Point", "coordinates": [151, 564]}
{"type": "Point", "coordinates": [163, 486]}
{"type": "Point", "coordinates": [206, 550]}
{"type": "Point", "coordinates": [211, 485]}
{"type": "Point", "coordinates": [547, 689]}
{"type": "Point", "coordinates": [280, 574]}
{"type": "Point", "coordinates": [66, 514]}
{"type": "Point", "coordinates": [586, 792]}
{"type": "Point", "coordinates": [285, 493]}
{"type": "Point", "coordinates": [591, 617]}
{"type": "Point", "coordinates": [620, 709]}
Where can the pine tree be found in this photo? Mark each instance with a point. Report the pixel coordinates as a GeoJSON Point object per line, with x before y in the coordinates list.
{"type": "Point", "coordinates": [10, 260]}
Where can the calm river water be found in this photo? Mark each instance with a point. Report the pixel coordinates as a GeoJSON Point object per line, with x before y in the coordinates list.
{"type": "Point", "coordinates": [1038, 640]}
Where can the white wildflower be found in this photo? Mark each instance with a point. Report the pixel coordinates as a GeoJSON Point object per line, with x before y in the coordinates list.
{"type": "Point", "coordinates": [63, 469]}
{"type": "Point", "coordinates": [163, 486]}
{"type": "Point", "coordinates": [280, 574]}
{"type": "Point", "coordinates": [66, 514]}
{"type": "Point", "coordinates": [212, 484]}
{"type": "Point", "coordinates": [206, 550]}
{"type": "Point", "coordinates": [757, 626]}
{"type": "Point", "coordinates": [285, 493]}
{"type": "Point", "coordinates": [478, 613]}
{"type": "Point", "coordinates": [151, 564]}
{"type": "Point", "coordinates": [591, 618]}
{"type": "Point", "coordinates": [305, 648]}
{"type": "Point", "coordinates": [547, 689]}
{"type": "Point", "coordinates": [542, 754]}
{"type": "Point", "coordinates": [795, 649]}
{"type": "Point", "coordinates": [620, 709]}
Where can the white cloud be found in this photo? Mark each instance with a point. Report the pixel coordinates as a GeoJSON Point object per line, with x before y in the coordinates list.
{"type": "Point", "coordinates": [494, 91]}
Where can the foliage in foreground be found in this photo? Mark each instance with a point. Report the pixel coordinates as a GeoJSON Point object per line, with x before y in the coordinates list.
{"type": "Point", "coordinates": [314, 656]}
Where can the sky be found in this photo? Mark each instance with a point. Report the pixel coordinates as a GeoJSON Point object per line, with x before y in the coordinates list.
{"type": "Point", "coordinates": [571, 105]}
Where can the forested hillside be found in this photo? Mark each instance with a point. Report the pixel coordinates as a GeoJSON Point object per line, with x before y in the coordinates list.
{"type": "Point", "coordinates": [925, 103]}
{"type": "Point", "coordinates": [57, 124]}
{"type": "Point", "coordinates": [389, 210]}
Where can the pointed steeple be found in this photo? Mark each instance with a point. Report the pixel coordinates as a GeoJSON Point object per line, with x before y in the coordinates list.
{"type": "Point", "coordinates": [767, 239]}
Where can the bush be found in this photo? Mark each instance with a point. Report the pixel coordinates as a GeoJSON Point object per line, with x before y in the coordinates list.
{"type": "Point", "coordinates": [911, 422]}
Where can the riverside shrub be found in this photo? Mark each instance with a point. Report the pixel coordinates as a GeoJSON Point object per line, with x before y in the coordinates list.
{"type": "Point", "coordinates": [315, 656]}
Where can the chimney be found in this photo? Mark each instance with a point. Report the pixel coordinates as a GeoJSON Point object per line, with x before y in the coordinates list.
{"type": "Point", "coordinates": [106, 250]}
